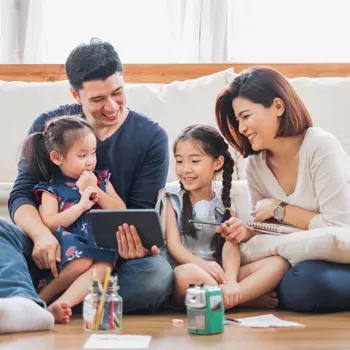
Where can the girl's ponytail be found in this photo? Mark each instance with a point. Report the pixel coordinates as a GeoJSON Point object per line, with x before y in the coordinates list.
{"type": "Point", "coordinates": [187, 227]}
{"type": "Point", "coordinates": [218, 241]}
{"type": "Point", "coordinates": [36, 156]}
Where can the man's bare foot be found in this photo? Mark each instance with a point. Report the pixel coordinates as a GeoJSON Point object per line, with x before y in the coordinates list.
{"type": "Point", "coordinates": [61, 311]}
{"type": "Point", "coordinates": [268, 300]}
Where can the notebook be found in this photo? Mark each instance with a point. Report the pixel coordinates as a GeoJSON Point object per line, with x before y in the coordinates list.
{"type": "Point", "coordinates": [271, 228]}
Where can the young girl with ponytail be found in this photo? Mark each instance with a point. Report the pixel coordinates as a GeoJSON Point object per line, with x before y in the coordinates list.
{"type": "Point", "coordinates": [202, 252]}
{"type": "Point", "coordinates": [64, 155]}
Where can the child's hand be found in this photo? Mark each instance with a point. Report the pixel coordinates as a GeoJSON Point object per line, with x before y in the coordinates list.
{"type": "Point", "coordinates": [232, 294]}
{"type": "Point", "coordinates": [88, 198]}
{"type": "Point", "coordinates": [234, 231]}
{"type": "Point", "coordinates": [215, 270]}
{"type": "Point", "coordinates": [85, 180]}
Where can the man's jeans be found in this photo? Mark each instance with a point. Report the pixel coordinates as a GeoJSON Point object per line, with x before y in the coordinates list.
{"type": "Point", "coordinates": [144, 283]}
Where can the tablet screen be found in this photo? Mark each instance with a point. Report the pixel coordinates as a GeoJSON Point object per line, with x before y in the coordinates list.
{"type": "Point", "coordinates": [105, 223]}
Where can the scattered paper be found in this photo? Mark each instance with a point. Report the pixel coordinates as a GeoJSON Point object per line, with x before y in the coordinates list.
{"type": "Point", "coordinates": [112, 341]}
{"type": "Point", "coordinates": [265, 321]}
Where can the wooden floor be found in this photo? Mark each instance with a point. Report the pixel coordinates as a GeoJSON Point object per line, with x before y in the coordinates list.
{"type": "Point", "coordinates": [321, 332]}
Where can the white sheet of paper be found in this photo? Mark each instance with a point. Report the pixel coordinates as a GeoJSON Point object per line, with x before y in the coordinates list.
{"type": "Point", "coordinates": [113, 341]}
{"type": "Point", "coordinates": [265, 321]}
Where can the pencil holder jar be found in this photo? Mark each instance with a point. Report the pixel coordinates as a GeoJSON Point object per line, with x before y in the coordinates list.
{"type": "Point", "coordinates": [103, 308]}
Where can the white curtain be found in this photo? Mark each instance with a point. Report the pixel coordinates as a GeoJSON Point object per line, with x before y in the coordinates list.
{"type": "Point", "coordinates": [143, 31]}
{"type": "Point", "coordinates": [199, 28]}
{"type": "Point", "coordinates": [9, 20]}
{"type": "Point", "coordinates": [21, 31]}
{"type": "Point", "coordinates": [33, 49]}
{"type": "Point", "coordinates": [178, 31]}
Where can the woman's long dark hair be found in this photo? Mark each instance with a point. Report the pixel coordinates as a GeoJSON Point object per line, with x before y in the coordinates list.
{"type": "Point", "coordinates": [214, 145]}
{"type": "Point", "coordinates": [59, 134]}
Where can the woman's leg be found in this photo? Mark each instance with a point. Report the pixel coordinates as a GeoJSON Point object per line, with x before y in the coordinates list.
{"type": "Point", "coordinates": [316, 286]}
{"type": "Point", "coordinates": [259, 278]}
{"type": "Point", "coordinates": [76, 293]}
{"type": "Point", "coordinates": [183, 276]}
{"type": "Point", "coordinates": [70, 272]}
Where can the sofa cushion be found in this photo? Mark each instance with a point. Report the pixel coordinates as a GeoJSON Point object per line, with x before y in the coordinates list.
{"type": "Point", "coordinates": [328, 243]}
{"type": "Point", "coordinates": [179, 104]}
{"type": "Point", "coordinates": [174, 106]}
{"type": "Point", "coordinates": [20, 104]}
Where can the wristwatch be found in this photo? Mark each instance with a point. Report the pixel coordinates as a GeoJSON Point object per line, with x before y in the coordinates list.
{"type": "Point", "coordinates": [279, 212]}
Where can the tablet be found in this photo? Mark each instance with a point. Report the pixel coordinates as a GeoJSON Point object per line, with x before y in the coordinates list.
{"type": "Point", "coordinates": [105, 223]}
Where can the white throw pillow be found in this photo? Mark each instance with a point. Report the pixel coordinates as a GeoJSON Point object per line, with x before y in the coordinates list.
{"type": "Point", "coordinates": [328, 243]}
{"type": "Point", "coordinates": [178, 104]}
{"type": "Point", "coordinates": [173, 106]}
{"type": "Point", "coordinates": [20, 104]}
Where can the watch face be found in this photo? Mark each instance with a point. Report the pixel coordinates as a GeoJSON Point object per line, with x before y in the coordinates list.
{"type": "Point", "coordinates": [278, 213]}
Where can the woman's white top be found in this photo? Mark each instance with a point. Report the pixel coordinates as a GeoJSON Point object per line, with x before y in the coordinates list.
{"type": "Point", "coordinates": [323, 180]}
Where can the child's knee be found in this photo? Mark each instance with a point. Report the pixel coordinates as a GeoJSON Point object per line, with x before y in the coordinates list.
{"type": "Point", "coordinates": [191, 273]}
{"type": "Point", "coordinates": [280, 263]}
{"type": "Point", "coordinates": [187, 271]}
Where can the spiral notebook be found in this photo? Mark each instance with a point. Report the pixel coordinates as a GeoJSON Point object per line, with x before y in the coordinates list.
{"type": "Point", "coordinates": [271, 228]}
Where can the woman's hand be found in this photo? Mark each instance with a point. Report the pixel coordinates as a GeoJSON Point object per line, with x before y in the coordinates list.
{"type": "Point", "coordinates": [264, 209]}
{"type": "Point", "coordinates": [232, 294]}
{"type": "Point", "coordinates": [234, 231]}
{"type": "Point", "coordinates": [215, 270]}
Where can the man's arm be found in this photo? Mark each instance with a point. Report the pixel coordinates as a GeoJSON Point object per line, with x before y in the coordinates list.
{"type": "Point", "coordinates": [153, 173]}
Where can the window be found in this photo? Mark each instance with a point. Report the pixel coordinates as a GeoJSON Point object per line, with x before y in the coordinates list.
{"type": "Point", "coordinates": [137, 28]}
{"type": "Point", "coordinates": [289, 31]}
{"type": "Point", "coordinates": [179, 31]}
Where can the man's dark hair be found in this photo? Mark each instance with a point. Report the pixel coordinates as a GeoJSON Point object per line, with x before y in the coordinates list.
{"type": "Point", "coordinates": [96, 60]}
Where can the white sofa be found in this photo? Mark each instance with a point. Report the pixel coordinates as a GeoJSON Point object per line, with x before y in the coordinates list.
{"type": "Point", "coordinates": [173, 105]}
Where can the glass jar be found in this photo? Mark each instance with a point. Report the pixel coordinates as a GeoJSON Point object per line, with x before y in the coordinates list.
{"type": "Point", "coordinates": [103, 313]}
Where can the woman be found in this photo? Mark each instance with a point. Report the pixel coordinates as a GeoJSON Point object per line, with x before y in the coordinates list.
{"type": "Point", "coordinates": [296, 173]}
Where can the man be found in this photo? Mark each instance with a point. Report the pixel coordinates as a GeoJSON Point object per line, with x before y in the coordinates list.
{"type": "Point", "coordinates": [135, 149]}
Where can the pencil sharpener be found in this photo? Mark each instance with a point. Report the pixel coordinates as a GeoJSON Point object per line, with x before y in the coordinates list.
{"type": "Point", "coordinates": [205, 309]}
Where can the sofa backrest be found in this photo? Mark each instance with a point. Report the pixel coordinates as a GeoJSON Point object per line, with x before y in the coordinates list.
{"type": "Point", "coordinates": [174, 106]}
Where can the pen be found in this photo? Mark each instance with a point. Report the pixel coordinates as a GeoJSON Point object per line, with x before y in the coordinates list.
{"type": "Point", "coordinates": [232, 320]}
{"type": "Point", "coordinates": [213, 223]}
